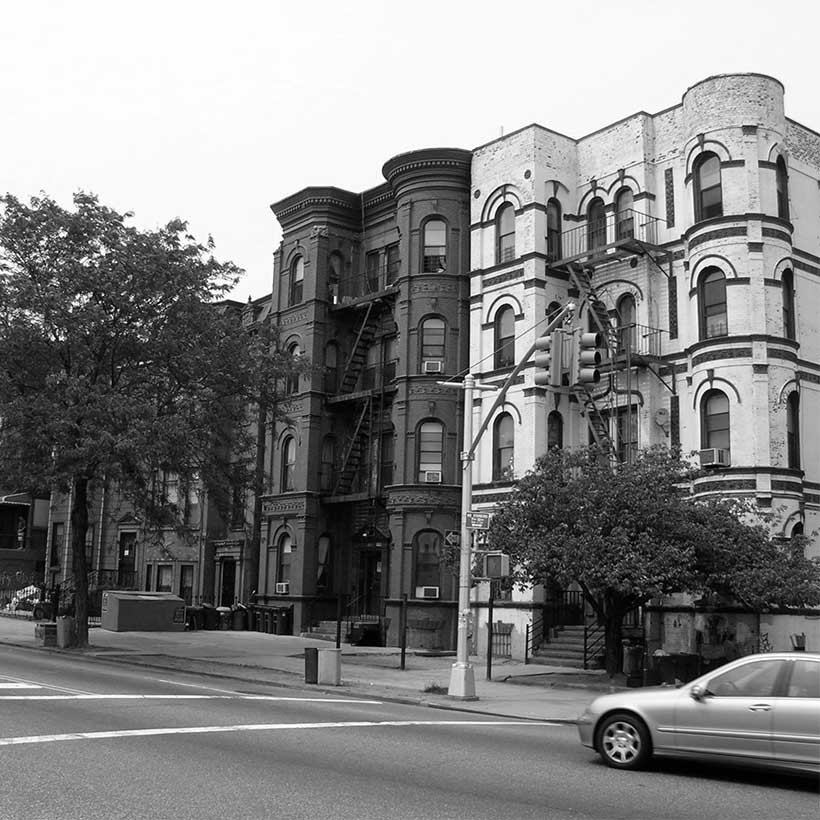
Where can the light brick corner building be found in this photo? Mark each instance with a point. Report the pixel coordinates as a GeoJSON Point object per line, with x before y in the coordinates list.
{"type": "Point", "coordinates": [690, 239]}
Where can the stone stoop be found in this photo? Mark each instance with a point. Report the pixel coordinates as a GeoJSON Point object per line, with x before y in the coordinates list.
{"type": "Point", "coordinates": [566, 648]}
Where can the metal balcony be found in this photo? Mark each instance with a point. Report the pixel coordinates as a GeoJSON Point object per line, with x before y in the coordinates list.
{"type": "Point", "coordinates": [354, 290]}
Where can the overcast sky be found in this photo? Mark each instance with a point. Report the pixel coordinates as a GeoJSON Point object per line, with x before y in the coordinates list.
{"type": "Point", "coordinates": [210, 111]}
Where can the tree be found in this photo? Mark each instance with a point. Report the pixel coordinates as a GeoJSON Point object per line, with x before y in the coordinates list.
{"type": "Point", "coordinates": [627, 533]}
{"type": "Point", "coordinates": [118, 357]}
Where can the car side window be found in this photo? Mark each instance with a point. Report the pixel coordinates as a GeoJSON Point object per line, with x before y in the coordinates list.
{"type": "Point", "coordinates": [751, 680]}
{"type": "Point", "coordinates": [805, 680]}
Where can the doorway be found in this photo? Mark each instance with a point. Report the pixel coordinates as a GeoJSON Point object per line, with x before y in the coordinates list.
{"type": "Point", "coordinates": [367, 594]}
{"type": "Point", "coordinates": [126, 563]}
{"type": "Point", "coordinates": [227, 590]}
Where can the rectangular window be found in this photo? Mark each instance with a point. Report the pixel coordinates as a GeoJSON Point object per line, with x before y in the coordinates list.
{"type": "Point", "coordinates": [430, 449]}
{"type": "Point", "coordinates": [387, 457]}
{"type": "Point", "coordinates": [393, 263]}
{"type": "Point", "coordinates": [165, 574]}
{"type": "Point", "coordinates": [372, 267]}
{"type": "Point", "coordinates": [428, 559]}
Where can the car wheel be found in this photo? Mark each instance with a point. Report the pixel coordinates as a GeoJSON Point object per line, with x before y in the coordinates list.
{"type": "Point", "coordinates": [623, 741]}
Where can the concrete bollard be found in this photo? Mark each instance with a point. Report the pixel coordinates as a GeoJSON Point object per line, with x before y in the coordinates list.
{"type": "Point", "coordinates": [330, 667]}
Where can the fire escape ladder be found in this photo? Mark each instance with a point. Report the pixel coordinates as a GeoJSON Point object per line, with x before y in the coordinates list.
{"type": "Point", "coordinates": [355, 450]}
{"type": "Point", "coordinates": [582, 279]}
{"type": "Point", "coordinates": [596, 421]}
{"type": "Point", "coordinates": [358, 353]}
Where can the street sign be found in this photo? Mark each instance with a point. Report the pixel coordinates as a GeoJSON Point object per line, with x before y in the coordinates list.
{"type": "Point", "coordinates": [478, 520]}
{"type": "Point", "coordinates": [452, 538]}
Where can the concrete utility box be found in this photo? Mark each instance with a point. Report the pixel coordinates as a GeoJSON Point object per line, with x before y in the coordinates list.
{"type": "Point", "coordinates": [132, 611]}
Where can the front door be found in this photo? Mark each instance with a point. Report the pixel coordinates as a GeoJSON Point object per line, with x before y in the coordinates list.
{"type": "Point", "coordinates": [126, 564]}
{"type": "Point", "coordinates": [227, 593]}
{"type": "Point", "coordinates": [367, 595]}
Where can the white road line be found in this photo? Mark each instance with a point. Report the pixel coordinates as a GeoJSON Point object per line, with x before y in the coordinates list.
{"type": "Point", "coordinates": [17, 685]}
{"type": "Point", "coordinates": [186, 697]}
{"type": "Point", "coordinates": [260, 727]}
{"type": "Point", "coordinates": [53, 686]}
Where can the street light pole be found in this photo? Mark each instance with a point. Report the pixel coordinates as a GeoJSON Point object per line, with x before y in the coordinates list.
{"type": "Point", "coordinates": [462, 677]}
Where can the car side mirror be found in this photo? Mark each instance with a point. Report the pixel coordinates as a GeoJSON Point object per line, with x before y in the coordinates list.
{"type": "Point", "coordinates": [697, 692]}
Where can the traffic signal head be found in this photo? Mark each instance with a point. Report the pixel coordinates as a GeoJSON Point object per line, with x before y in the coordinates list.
{"type": "Point", "coordinates": [548, 359]}
{"type": "Point", "coordinates": [589, 358]}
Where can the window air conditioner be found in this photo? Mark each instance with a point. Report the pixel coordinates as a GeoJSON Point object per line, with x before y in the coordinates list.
{"type": "Point", "coordinates": [714, 457]}
{"type": "Point", "coordinates": [432, 367]}
{"type": "Point", "coordinates": [283, 588]}
{"type": "Point", "coordinates": [432, 477]}
{"type": "Point", "coordinates": [427, 592]}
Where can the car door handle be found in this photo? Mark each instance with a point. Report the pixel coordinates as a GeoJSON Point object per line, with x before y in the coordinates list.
{"type": "Point", "coordinates": [760, 707]}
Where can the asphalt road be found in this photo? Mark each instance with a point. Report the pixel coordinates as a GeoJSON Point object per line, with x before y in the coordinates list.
{"type": "Point", "coordinates": [83, 739]}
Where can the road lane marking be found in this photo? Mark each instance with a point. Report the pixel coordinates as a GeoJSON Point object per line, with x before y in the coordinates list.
{"type": "Point", "coordinates": [18, 685]}
{"type": "Point", "coordinates": [187, 697]}
{"type": "Point", "coordinates": [44, 685]}
{"type": "Point", "coordinates": [261, 727]}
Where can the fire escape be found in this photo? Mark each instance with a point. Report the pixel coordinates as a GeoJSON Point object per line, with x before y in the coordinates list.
{"type": "Point", "coordinates": [360, 394]}
{"type": "Point", "coordinates": [627, 239]}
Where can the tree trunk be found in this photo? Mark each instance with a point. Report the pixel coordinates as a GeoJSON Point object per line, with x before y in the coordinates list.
{"type": "Point", "coordinates": [254, 545]}
{"type": "Point", "coordinates": [79, 529]}
{"type": "Point", "coordinates": [613, 632]}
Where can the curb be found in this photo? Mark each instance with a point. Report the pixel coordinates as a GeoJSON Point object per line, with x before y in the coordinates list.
{"type": "Point", "coordinates": [377, 691]}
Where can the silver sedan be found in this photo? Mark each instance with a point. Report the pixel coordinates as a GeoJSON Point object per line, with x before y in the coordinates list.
{"type": "Point", "coordinates": [757, 710]}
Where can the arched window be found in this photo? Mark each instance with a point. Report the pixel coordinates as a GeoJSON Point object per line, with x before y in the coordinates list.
{"type": "Point", "coordinates": [331, 368]}
{"type": "Point", "coordinates": [297, 280]}
{"type": "Point", "coordinates": [552, 310]}
{"type": "Point", "coordinates": [427, 558]}
{"type": "Point", "coordinates": [793, 430]}
{"type": "Point", "coordinates": [596, 224]}
{"type": "Point", "coordinates": [782, 182]}
{"type": "Point", "coordinates": [285, 555]}
{"type": "Point", "coordinates": [503, 448]}
{"type": "Point", "coordinates": [505, 233]}
{"type": "Point", "coordinates": [504, 341]}
{"type": "Point", "coordinates": [432, 340]}
{"type": "Point", "coordinates": [323, 556]}
{"type": "Point", "coordinates": [787, 285]}
{"type": "Point", "coordinates": [625, 221]}
{"type": "Point", "coordinates": [327, 470]}
{"type": "Point", "coordinates": [430, 447]}
{"type": "Point", "coordinates": [553, 230]}
{"type": "Point", "coordinates": [714, 420]}
{"type": "Point", "coordinates": [435, 246]}
{"type": "Point", "coordinates": [555, 431]}
{"type": "Point", "coordinates": [626, 322]}
{"type": "Point", "coordinates": [712, 304]}
{"type": "Point", "coordinates": [292, 385]}
{"type": "Point", "coordinates": [708, 190]}
{"type": "Point", "coordinates": [288, 463]}
{"type": "Point", "coordinates": [797, 529]}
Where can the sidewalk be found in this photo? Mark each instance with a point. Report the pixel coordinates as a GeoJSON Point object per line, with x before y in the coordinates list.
{"type": "Point", "coordinates": [516, 690]}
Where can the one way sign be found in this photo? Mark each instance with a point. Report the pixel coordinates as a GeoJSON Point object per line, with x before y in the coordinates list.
{"type": "Point", "coordinates": [452, 538]}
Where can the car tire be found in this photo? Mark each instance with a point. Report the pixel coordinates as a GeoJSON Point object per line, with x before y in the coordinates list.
{"type": "Point", "coordinates": [623, 741]}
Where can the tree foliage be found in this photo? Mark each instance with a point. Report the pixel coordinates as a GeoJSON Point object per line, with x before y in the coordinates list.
{"type": "Point", "coordinates": [119, 356]}
{"type": "Point", "coordinates": [627, 533]}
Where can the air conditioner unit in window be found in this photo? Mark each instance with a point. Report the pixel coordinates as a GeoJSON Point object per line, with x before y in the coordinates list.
{"type": "Point", "coordinates": [714, 457]}
{"type": "Point", "coordinates": [427, 592]}
{"type": "Point", "coordinates": [432, 477]}
{"type": "Point", "coordinates": [433, 367]}
{"type": "Point", "coordinates": [283, 588]}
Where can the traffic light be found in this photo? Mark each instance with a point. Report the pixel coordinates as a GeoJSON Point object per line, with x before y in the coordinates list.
{"type": "Point", "coordinates": [548, 359]}
{"type": "Point", "coordinates": [589, 357]}
{"type": "Point", "coordinates": [496, 565]}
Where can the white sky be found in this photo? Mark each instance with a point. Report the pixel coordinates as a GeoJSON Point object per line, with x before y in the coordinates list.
{"type": "Point", "coordinates": [210, 111]}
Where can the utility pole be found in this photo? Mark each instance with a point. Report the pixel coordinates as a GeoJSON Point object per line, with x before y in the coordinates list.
{"type": "Point", "coordinates": [462, 675]}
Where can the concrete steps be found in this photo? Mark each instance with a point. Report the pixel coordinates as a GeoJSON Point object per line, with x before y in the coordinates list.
{"type": "Point", "coordinates": [566, 648]}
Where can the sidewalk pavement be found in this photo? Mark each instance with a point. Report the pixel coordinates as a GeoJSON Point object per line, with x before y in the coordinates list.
{"type": "Point", "coordinates": [534, 692]}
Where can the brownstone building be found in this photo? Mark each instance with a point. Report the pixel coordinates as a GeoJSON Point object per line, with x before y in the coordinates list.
{"type": "Point", "coordinates": [363, 479]}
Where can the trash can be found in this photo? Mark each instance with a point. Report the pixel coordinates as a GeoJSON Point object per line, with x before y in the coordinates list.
{"type": "Point", "coordinates": [195, 617]}
{"type": "Point", "coordinates": [224, 617]}
{"type": "Point", "coordinates": [66, 635]}
{"type": "Point", "coordinates": [311, 665]}
{"type": "Point", "coordinates": [239, 618]}
{"type": "Point", "coordinates": [210, 617]}
{"type": "Point", "coordinates": [633, 663]}
{"type": "Point", "coordinates": [282, 620]}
